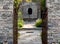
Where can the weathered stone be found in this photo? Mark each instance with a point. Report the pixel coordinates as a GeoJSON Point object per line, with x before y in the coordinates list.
{"type": "Point", "coordinates": [54, 19]}
{"type": "Point", "coordinates": [6, 21]}
{"type": "Point", "coordinates": [29, 38]}
{"type": "Point", "coordinates": [25, 7]}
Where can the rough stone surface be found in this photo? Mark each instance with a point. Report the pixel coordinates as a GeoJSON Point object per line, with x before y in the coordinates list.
{"type": "Point", "coordinates": [53, 21]}
{"type": "Point", "coordinates": [6, 21]}
{"type": "Point", "coordinates": [26, 6]}
{"type": "Point", "coordinates": [6, 18]}
{"type": "Point", "coordinates": [33, 37]}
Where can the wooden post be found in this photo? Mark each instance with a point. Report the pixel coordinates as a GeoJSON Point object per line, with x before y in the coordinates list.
{"type": "Point", "coordinates": [44, 16]}
{"type": "Point", "coordinates": [45, 27]}
{"type": "Point", "coordinates": [15, 28]}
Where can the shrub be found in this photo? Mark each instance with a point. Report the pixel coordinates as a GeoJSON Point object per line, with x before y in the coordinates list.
{"type": "Point", "coordinates": [38, 22]}
{"type": "Point", "coordinates": [20, 23]}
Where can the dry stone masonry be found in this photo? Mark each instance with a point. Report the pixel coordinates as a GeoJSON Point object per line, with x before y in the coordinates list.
{"type": "Point", "coordinates": [33, 8]}
{"type": "Point", "coordinates": [53, 21]}
{"type": "Point", "coordinates": [6, 21]}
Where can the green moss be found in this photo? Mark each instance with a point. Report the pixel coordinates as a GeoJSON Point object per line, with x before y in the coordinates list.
{"type": "Point", "coordinates": [38, 22]}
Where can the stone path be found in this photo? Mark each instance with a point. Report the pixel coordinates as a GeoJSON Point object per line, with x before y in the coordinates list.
{"type": "Point", "coordinates": [28, 24]}
{"type": "Point", "coordinates": [30, 34]}
{"type": "Point", "coordinates": [29, 37]}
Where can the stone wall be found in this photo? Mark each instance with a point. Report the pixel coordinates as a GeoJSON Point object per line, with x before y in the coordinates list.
{"type": "Point", "coordinates": [6, 21]}
{"type": "Point", "coordinates": [53, 21]}
{"type": "Point", "coordinates": [25, 8]}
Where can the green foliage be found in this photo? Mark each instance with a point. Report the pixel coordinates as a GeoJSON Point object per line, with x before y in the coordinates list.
{"type": "Point", "coordinates": [43, 4]}
{"type": "Point", "coordinates": [38, 22]}
{"type": "Point", "coordinates": [20, 23]}
{"type": "Point", "coordinates": [20, 20]}
{"type": "Point", "coordinates": [28, 1]}
{"type": "Point", "coordinates": [16, 3]}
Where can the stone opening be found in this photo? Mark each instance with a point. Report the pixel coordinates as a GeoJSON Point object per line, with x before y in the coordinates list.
{"type": "Point", "coordinates": [29, 11]}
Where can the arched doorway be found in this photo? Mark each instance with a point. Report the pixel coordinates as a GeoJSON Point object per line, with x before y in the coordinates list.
{"type": "Point", "coordinates": [29, 11]}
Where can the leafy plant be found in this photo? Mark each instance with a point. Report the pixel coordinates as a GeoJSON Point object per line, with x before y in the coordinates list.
{"type": "Point", "coordinates": [20, 23]}
{"type": "Point", "coordinates": [16, 3]}
{"type": "Point", "coordinates": [38, 22]}
{"type": "Point", "coordinates": [28, 0]}
{"type": "Point", "coordinates": [20, 20]}
{"type": "Point", "coordinates": [43, 4]}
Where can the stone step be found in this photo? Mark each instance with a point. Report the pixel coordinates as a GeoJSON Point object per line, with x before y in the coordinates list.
{"type": "Point", "coordinates": [40, 28]}
{"type": "Point", "coordinates": [30, 26]}
{"type": "Point", "coordinates": [30, 19]}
